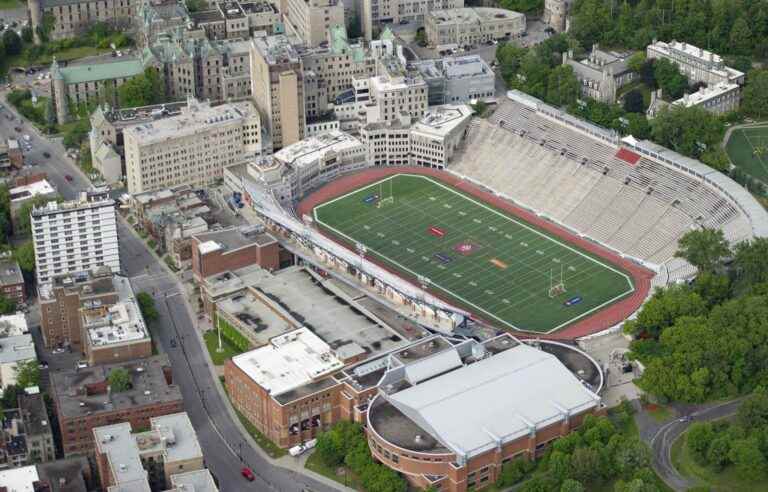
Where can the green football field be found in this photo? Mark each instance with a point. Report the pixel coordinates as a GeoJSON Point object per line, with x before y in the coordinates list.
{"type": "Point", "coordinates": [748, 149]}
{"type": "Point", "coordinates": [479, 258]}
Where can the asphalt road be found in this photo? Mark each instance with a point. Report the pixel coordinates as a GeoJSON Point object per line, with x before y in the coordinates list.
{"type": "Point", "coordinates": [224, 447]}
{"type": "Point", "coordinates": [661, 443]}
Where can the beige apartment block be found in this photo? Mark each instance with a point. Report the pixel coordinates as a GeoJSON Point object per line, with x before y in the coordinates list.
{"type": "Point", "coordinates": [277, 85]}
{"type": "Point", "coordinates": [310, 20]}
{"type": "Point", "coordinates": [192, 148]}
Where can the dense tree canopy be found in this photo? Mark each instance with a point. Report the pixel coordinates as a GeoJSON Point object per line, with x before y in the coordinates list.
{"type": "Point", "coordinates": [147, 307]}
{"type": "Point", "coordinates": [27, 374]}
{"type": "Point", "coordinates": [119, 379]}
{"type": "Point", "coordinates": [755, 97]}
{"type": "Point", "coordinates": [705, 249]}
{"type": "Point", "coordinates": [7, 306]}
{"type": "Point", "coordinates": [689, 131]}
{"type": "Point", "coordinates": [142, 90]}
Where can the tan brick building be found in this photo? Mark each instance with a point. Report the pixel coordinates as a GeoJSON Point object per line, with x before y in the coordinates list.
{"type": "Point", "coordinates": [84, 401]}
{"type": "Point", "coordinates": [62, 300]}
{"type": "Point", "coordinates": [11, 280]}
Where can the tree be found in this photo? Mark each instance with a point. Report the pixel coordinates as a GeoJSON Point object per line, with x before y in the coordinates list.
{"type": "Point", "coordinates": [636, 61]}
{"type": "Point", "coordinates": [704, 249]}
{"type": "Point", "coordinates": [11, 396]}
{"type": "Point", "coordinates": [22, 226]}
{"type": "Point", "coordinates": [749, 460]}
{"type": "Point", "coordinates": [741, 37]}
{"type": "Point", "coordinates": [749, 263]}
{"type": "Point", "coordinates": [663, 309]}
{"type": "Point", "coordinates": [119, 379]}
{"type": "Point", "coordinates": [26, 34]}
{"type": "Point", "coordinates": [700, 436]}
{"type": "Point", "coordinates": [25, 257]}
{"type": "Point", "coordinates": [332, 446]}
{"type": "Point", "coordinates": [585, 463]}
{"type": "Point", "coordinates": [5, 214]}
{"type": "Point", "coordinates": [571, 485]}
{"type": "Point", "coordinates": [142, 90]}
{"type": "Point", "coordinates": [510, 58]}
{"type": "Point", "coordinates": [755, 97]}
{"type": "Point", "coordinates": [27, 374]}
{"type": "Point", "coordinates": [196, 5]}
{"type": "Point", "coordinates": [76, 134]}
{"type": "Point", "coordinates": [689, 131]}
{"type": "Point", "coordinates": [12, 42]}
{"type": "Point", "coordinates": [718, 452]}
{"type": "Point", "coordinates": [668, 77]}
{"type": "Point", "coordinates": [633, 102]}
{"type": "Point", "coordinates": [638, 125]}
{"type": "Point", "coordinates": [147, 307]}
{"type": "Point", "coordinates": [7, 306]}
{"type": "Point", "coordinates": [712, 288]}
{"type": "Point", "coordinates": [524, 6]}
{"type": "Point", "coordinates": [50, 115]}
{"type": "Point", "coordinates": [753, 411]}
{"type": "Point", "coordinates": [559, 465]}
{"type": "Point", "coordinates": [563, 87]}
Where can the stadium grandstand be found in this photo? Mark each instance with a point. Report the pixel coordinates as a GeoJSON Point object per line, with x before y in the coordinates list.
{"type": "Point", "coordinates": [634, 197]}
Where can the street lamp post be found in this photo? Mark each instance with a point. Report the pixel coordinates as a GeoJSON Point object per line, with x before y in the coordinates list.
{"type": "Point", "coordinates": [361, 250]}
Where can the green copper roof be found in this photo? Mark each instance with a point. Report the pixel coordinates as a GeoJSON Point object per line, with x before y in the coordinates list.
{"type": "Point", "coordinates": [339, 43]}
{"type": "Point", "coordinates": [386, 34]}
{"type": "Point", "coordinates": [102, 71]}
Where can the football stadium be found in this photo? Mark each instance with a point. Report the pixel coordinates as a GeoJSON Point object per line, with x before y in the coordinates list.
{"type": "Point", "coordinates": [542, 223]}
{"type": "Point", "coordinates": [484, 259]}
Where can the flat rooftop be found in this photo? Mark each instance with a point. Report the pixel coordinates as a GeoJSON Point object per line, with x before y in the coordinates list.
{"type": "Point", "coordinates": [207, 16]}
{"type": "Point", "coordinates": [89, 283]}
{"type": "Point", "coordinates": [177, 436]}
{"type": "Point", "coordinates": [473, 15]}
{"type": "Point", "coordinates": [25, 192]}
{"type": "Point", "coordinates": [290, 361]}
{"type": "Point", "coordinates": [121, 118]}
{"type": "Point", "coordinates": [261, 322]}
{"type": "Point", "coordinates": [439, 121]}
{"type": "Point", "coordinates": [704, 94]}
{"type": "Point", "coordinates": [117, 442]}
{"type": "Point", "coordinates": [116, 324]}
{"type": "Point", "coordinates": [65, 475]}
{"type": "Point", "coordinates": [277, 49]}
{"type": "Point", "coordinates": [81, 392]}
{"type": "Point", "coordinates": [17, 348]}
{"type": "Point", "coordinates": [193, 481]}
{"type": "Point", "coordinates": [329, 316]}
{"type": "Point", "coordinates": [19, 479]}
{"type": "Point", "coordinates": [309, 150]}
{"type": "Point", "coordinates": [232, 281]}
{"type": "Point", "coordinates": [194, 118]}
{"type": "Point", "coordinates": [13, 325]}
{"type": "Point", "coordinates": [84, 202]}
{"type": "Point", "coordinates": [10, 273]}
{"type": "Point", "coordinates": [258, 8]}
{"type": "Point", "coordinates": [233, 238]}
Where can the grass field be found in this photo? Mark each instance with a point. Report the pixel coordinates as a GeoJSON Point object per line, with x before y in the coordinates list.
{"type": "Point", "coordinates": [741, 149]}
{"type": "Point", "coordinates": [484, 260]}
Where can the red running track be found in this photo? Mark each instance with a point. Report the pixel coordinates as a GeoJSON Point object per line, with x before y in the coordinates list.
{"type": "Point", "coordinates": [605, 318]}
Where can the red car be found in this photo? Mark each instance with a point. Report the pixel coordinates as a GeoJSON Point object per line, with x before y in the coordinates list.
{"type": "Point", "coordinates": [248, 474]}
{"type": "Point", "coordinates": [68, 178]}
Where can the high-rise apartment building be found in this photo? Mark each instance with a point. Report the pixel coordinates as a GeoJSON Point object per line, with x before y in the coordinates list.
{"type": "Point", "coordinates": [192, 148]}
{"type": "Point", "coordinates": [378, 12]}
{"type": "Point", "coordinates": [277, 86]}
{"type": "Point", "coordinates": [75, 236]}
{"type": "Point", "coordinates": [309, 20]}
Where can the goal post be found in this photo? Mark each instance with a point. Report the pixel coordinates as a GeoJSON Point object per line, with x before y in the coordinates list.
{"type": "Point", "coordinates": [386, 197]}
{"type": "Point", "coordinates": [556, 285]}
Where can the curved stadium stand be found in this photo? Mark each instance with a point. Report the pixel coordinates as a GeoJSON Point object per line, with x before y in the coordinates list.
{"type": "Point", "coordinates": [634, 197]}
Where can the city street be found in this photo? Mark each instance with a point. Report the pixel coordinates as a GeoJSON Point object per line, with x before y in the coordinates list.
{"type": "Point", "coordinates": [225, 447]}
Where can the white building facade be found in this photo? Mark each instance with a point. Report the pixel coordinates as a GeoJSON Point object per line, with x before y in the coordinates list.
{"type": "Point", "coordinates": [75, 236]}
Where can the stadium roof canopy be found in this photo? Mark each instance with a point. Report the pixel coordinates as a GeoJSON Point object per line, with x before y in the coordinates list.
{"type": "Point", "coordinates": [495, 400]}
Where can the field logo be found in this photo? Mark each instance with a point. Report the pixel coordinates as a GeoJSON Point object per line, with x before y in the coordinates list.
{"type": "Point", "coordinates": [466, 248]}
{"type": "Point", "coordinates": [572, 301]}
{"type": "Point", "coordinates": [497, 262]}
{"type": "Point", "coordinates": [443, 258]}
{"type": "Point", "coordinates": [371, 199]}
{"type": "Point", "coordinates": [436, 231]}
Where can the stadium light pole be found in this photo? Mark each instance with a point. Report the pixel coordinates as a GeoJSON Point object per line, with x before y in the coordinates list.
{"type": "Point", "coordinates": [361, 250]}
{"type": "Point", "coordinates": [424, 283]}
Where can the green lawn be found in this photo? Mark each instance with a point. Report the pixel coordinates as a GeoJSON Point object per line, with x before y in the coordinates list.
{"type": "Point", "coordinates": [26, 60]}
{"type": "Point", "coordinates": [346, 478]}
{"type": "Point", "coordinates": [729, 480]}
{"type": "Point", "coordinates": [212, 342]}
{"type": "Point", "coordinates": [741, 149]}
{"type": "Point", "coordinates": [10, 4]}
{"type": "Point", "coordinates": [484, 260]}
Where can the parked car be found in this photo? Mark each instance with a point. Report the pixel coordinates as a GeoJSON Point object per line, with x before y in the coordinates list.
{"type": "Point", "coordinates": [17, 129]}
{"type": "Point", "coordinates": [248, 474]}
{"type": "Point", "coordinates": [47, 155]}
{"type": "Point", "coordinates": [68, 178]}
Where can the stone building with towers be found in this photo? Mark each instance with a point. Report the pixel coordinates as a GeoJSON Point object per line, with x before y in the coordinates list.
{"type": "Point", "coordinates": [71, 17]}
{"type": "Point", "coordinates": [556, 14]}
{"type": "Point", "coordinates": [600, 74]}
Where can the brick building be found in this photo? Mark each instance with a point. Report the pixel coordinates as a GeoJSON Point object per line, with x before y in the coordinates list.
{"type": "Point", "coordinates": [11, 280]}
{"type": "Point", "coordinates": [63, 298]}
{"type": "Point", "coordinates": [149, 458]}
{"type": "Point", "coordinates": [520, 397]}
{"type": "Point", "coordinates": [233, 248]}
{"type": "Point", "coordinates": [83, 399]}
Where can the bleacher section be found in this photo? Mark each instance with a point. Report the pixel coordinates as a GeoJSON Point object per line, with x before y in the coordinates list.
{"type": "Point", "coordinates": [640, 209]}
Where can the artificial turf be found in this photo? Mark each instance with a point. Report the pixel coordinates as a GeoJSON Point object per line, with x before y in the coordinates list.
{"type": "Point", "coordinates": [479, 258]}
{"type": "Point", "coordinates": [741, 149]}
